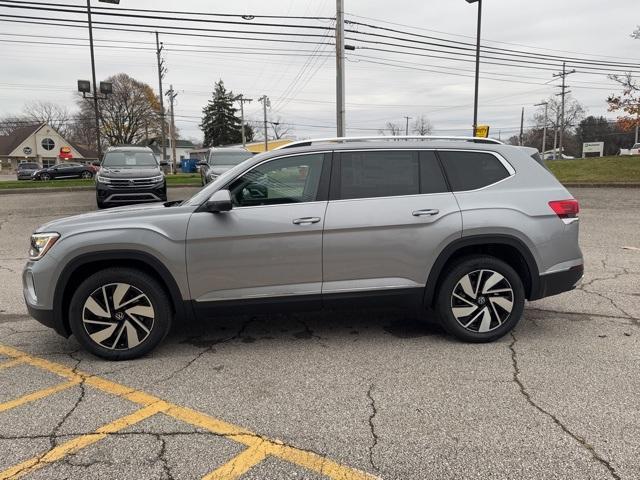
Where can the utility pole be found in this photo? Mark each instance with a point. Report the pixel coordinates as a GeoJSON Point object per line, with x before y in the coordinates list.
{"type": "Point", "coordinates": [172, 96]}
{"type": "Point", "coordinates": [637, 121]}
{"type": "Point", "coordinates": [562, 94]}
{"type": "Point", "coordinates": [477, 76]}
{"type": "Point", "coordinates": [161, 71]}
{"type": "Point", "coordinates": [406, 130]}
{"type": "Point", "coordinates": [240, 98]}
{"type": "Point", "coordinates": [544, 127]}
{"type": "Point", "coordinates": [265, 103]}
{"type": "Point", "coordinates": [522, 126]}
{"type": "Point", "coordinates": [555, 137]}
{"type": "Point", "coordinates": [340, 110]}
{"type": "Point", "coordinates": [96, 110]}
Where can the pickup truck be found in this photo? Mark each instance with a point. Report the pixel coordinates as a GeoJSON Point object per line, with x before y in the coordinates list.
{"type": "Point", "coordinates": [635, 150]}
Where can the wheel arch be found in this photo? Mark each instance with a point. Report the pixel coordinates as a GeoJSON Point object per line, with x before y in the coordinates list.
{"type": "Point", "coordinates": [505, 247]}
{"type": "Point", "coordinates": [82, 266]}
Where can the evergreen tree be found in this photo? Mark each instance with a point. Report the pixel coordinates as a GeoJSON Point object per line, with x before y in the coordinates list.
{"type": "Point", "coordinates": [220, 124]}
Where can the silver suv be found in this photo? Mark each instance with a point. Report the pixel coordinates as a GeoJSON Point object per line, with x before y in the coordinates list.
{"type": "Point", "coordinates": [469, 228]}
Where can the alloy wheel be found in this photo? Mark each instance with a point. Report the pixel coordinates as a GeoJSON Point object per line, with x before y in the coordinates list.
{"type": "Point", "coordinates": [45, 177]}
{"type": "Point", "coordinates": [482, 301]}
{"type": "Point", "coordinates": [118, 316]}
{"type": "Point", "coordinates": [86, 175]}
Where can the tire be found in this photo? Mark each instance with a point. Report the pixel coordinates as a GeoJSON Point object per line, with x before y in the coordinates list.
{"type": "Point", "coordinates": [45, 177]}
{"type": "Point", "coordinates": [122, 333]}
{"type": "Point", "coordinates": [86, 174]}
{"type": "Point", "coordinates": [480, 299]}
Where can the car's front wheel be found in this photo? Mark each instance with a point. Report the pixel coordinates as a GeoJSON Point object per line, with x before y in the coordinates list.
{"type": "Point", "coordinates": [120, 314]}
{"type": "Point", "coordinates": [45, 177]}
{"type": "Point", "coordinates": [86, 174]}
{"type": "Point", "coordinates": [480, 299]}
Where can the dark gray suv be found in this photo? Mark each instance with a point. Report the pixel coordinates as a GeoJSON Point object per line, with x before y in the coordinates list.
{"type": "Point", "coordinates": [467, 227]}
{"type": "Point", "coordinates": [129, 175]}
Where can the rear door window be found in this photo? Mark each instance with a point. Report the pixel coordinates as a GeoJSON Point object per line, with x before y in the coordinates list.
{"type": "Point", "coordinates": [370, 174]}
{"type": "Point", "coordinates": [472, 170]}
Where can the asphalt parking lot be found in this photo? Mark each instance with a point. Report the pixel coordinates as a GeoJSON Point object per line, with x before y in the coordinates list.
{"type": "Point", "coordinates": [362, 394]}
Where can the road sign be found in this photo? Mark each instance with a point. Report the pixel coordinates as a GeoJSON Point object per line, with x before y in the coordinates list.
{"type": "Point", "coordinates": [482, 131]}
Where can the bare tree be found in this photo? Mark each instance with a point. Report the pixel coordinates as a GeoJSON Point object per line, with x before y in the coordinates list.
{"type": "Point", "coordinates": [129, 114]}
{"type": "Point", "coordinates": [56, 116]}
{"type": "Point", "coordinates": [392, 129]}
{"type": "Point", "coordinates": [280, 129]}
{"type": "Point", "coordinates": [10, 123]}
{"type": "Point", "coordinates": [628, 101]}
{"type": "Point", "coordinates": [573, 113]}
{"type": "Point", "coordinates": [422, 126]}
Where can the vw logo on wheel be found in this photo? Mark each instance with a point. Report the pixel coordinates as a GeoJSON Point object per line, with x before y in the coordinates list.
{"type": "Point", "coordinates": [119, 316]}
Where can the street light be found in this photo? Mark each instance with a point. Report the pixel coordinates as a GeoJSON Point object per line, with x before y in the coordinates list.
{"type": "Point", "coordinates": [475, 99]}
{"type": "Point", "coordinates": [544, 128]}
{"type": "Point", "coordinates": [93, 72]}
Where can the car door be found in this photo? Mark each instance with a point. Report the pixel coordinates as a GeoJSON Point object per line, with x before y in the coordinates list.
{"type": "Point", "coordinates": [270, 244]}
{"type": "Point", "coordinates": [390, 214]}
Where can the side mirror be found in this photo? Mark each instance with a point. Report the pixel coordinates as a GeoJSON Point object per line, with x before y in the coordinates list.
{"type": "Point", "coordinates": [163, 163]}
{"type": "Point", "coordinates": [220, 201]}
{"type": "Point", "coordinates": [202, 163]}
{"type": "Point", "coordinates": [95, 164]}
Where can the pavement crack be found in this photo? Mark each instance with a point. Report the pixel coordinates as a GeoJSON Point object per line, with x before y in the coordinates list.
{"type": "Point", "coordinates": [580, 440]}
{"type": "Point", "coordinates": [162, 456]}
{"type": "Point", "coordinates": [81, 396]}
{"type": "Point", "coordinates": [372, 427]}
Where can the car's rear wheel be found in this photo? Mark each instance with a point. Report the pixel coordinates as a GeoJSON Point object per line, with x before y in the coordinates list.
{"type": "Point", "coordinates": [120, 314]}
{"type": "Point", "coordinates": [480, 299]}
{"type": "Point", "coordinates": [86, 174]}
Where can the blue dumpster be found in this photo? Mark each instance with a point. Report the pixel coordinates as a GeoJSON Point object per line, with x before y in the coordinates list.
{"type": "Point", "coordinates": [188, 165]}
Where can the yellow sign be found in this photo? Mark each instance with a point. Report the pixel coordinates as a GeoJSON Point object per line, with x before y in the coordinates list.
{"type": "Point", "coordinates": [482, 131]}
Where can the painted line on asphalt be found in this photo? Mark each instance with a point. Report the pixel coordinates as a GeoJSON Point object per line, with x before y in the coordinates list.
{"type": "Point", "coordinates": [79, 443]}
{"type": "Point", "coordinates": [240, 464]}
{"type": "Point", "coordinates": [11, 363]}
{"type": "Point", "coordinates": [257, 444]}
{"type": "Point", "coordinates": [32, 397]}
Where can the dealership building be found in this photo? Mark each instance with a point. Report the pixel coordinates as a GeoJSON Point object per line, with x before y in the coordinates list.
{"type": "Point", "coordinates": [42, 144]}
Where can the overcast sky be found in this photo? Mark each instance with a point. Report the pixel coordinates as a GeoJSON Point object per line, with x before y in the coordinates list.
{"type": "Point", "coordinates": [375, 93]}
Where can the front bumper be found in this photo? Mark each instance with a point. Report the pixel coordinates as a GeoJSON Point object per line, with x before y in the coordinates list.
{"type": "Point", "coordinates": [558, 282]}
{"type": "Point", "coordinates": [109, 194]}
{"type": "Point", "coordinates": [38, 307]}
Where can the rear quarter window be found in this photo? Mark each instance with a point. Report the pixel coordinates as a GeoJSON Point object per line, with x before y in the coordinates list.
{"type": "Point", "coordinates": [472, 170]}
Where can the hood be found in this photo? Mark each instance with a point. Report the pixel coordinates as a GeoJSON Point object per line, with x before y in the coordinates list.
{"type": "Point", "coordinates": [93, 220]}
{"type": "Point", "coordinates": [136, 172]}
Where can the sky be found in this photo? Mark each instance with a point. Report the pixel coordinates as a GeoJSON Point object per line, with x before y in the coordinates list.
{"type": "Point", "coordinates": [301, 80]}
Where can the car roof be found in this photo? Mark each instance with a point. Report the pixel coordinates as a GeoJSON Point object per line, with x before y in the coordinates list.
{"type": "Point", "coordinates": [129, 148]}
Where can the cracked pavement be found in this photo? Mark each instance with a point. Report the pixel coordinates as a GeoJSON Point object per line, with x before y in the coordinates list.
{"type": "Point", "coordinates": [371, 389]}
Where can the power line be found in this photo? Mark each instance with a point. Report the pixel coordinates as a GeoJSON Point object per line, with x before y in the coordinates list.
{"type": "Point", "coordinates": [172, 12]}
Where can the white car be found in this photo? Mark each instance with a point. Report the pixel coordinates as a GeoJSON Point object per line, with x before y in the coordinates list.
{"type": "Point", "coordinates": [635, 150]}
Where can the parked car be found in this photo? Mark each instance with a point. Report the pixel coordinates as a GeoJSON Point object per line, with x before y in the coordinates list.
{"type": "Point", "coordinates": [220, 160]}
{"type": "Point", "coordinates": [635, 150]}
{"type": "Point", "coordinates": [26, 170]}
{"type": "Point", "coordinates": [129, 175]}
{"type": "Point", "coordinates": [63, 170]}
{"type": "Point", "coordinates": [465, 228]}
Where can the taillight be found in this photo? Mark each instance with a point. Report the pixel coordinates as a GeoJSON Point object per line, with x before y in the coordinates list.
{"type": "Point", "coordinates": [565, 208]}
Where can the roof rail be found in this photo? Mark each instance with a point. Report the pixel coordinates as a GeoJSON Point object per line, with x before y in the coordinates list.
{"type": "Point", "coordinates": [304, 143]}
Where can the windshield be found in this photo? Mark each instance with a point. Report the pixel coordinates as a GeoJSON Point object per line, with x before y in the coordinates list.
{"type": "Point", "coordinates": [129, 159]}
{"type": "Point", "coordinates": [220, 157]}
{"type": "Point", "coordinates": [24, 166]}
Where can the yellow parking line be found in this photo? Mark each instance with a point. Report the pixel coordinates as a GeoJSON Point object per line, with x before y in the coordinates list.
{"type": "Point", "coordinates": [32, 397]}
{"type": "Point", "coordinates": [78, 443]}
{"type": "Point", "coordinates": [303, 458]}
{"type": "Point", "coordinates": [11, 363]}
{"type": "Point", "coordinates": [240, 464]}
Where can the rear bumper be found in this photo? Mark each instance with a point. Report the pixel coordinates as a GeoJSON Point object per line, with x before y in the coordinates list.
{"type": "Point", "coordinates": [558, 282]}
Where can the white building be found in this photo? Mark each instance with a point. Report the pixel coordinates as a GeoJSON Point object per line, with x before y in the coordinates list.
{"type": "Point", "coordinates": [39, 143]}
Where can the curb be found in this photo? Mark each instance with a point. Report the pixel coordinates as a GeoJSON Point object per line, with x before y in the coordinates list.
{"type": "Point", "coordinates": [12, 191]}
{"type": "Point", "coordinates": [600, 185]}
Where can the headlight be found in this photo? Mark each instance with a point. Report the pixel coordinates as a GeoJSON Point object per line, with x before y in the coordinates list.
{"type": "Point", "coordinates": [102, 179]}
{"type": "Point", "coordinates": [41, 243]}
{"type": "Point", "coordinates": [157, 179]}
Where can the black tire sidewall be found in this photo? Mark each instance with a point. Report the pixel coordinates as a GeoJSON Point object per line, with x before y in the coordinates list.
{"type": "Point", "coordinates": [456, 272]}
{"type": "Point", "coordinates": [145, 283]}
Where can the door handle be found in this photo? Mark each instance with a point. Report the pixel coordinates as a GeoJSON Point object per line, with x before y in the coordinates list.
{"type": "Point", "coordinates": [426, 212]}
{"type": "Point", "coordinates": [306, 220]}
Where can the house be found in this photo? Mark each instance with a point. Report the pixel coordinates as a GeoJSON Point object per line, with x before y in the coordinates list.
{"type": "Point", "coordinates": [183, 148]}
{"type": "Point", "coordinates": [42, 144]}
